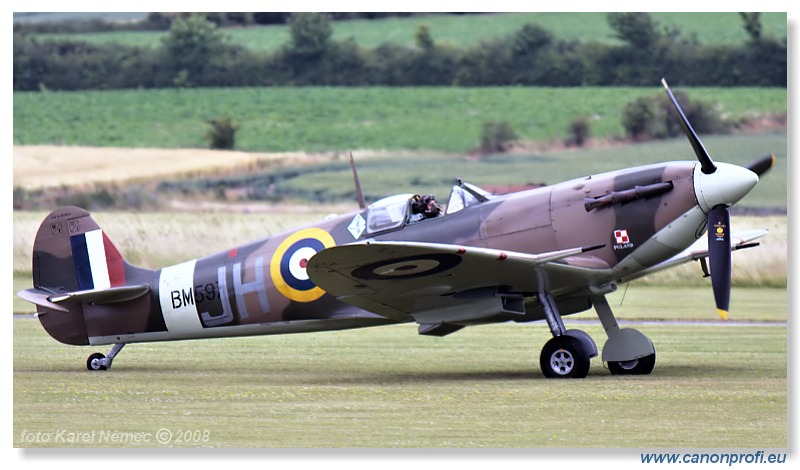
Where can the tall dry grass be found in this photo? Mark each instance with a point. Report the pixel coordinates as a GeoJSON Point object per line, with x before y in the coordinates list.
{"type": "Point", "coordinates": [154, 240]}
{"type": "Point", "coordinates": [763, 266]}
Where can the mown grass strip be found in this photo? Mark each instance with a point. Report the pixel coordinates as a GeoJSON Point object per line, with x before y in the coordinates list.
{"type": "Point", "coordinates": [713, 387]}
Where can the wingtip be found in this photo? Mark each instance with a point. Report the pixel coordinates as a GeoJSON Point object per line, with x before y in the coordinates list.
{"type": "Point", "coordinates": [722, 313]}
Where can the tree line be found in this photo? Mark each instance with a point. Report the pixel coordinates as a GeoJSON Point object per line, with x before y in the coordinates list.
{"type": "Point", "coordinates": [197, 53]}
{"type": "Point", "coordinates": [162, 21]}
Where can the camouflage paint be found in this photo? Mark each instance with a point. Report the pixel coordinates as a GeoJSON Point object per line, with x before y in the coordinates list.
{"type": "Point", "coordinates": [262, 287]}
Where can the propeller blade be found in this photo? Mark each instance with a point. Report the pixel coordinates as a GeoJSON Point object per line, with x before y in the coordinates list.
{"type": "Point", "coordinates": [761, 165]}
{"type": "Point", "coordinates": [719, 254]}
{"type": "Point", "coordinates": [706, 164]}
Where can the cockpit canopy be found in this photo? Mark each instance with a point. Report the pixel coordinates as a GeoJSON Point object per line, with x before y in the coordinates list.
{"type": "Point", "coordinates": [388, 213]}
{"type": "Point", "coordinates": [464, 195]}
{"type": "Point", "coordinates": [393, 212]}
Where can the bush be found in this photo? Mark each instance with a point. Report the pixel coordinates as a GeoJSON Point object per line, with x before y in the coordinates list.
{"type": "Point", "coordinates": [194, 45]}
{"type": "Point", "coordinates": [310, 34]}
{"type": "Point", "coordinates": [655, 117]}
{"type": "Point", "coordinates": [579, 131]}
{"type": "Point", "coordinates": [639, 119]}
{"type": "Point", "coordinates": [497, 137]}
{"type": "Point", "coordinates": [222, 134]}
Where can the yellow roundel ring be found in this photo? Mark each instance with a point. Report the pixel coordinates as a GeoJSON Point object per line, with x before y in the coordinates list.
{"type": "Point", "coordinates": [288, 265]}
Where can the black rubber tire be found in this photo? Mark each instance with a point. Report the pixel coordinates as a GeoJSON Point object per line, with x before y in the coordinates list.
{"type": "Point", "coordinates": [563, 357]}
{"type": "Point", "coordinates": [641, 366]}
{"type": "Point", "coordinates": [91, 358]}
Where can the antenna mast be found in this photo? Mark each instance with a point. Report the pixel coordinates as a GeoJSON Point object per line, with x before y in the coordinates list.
{"type": "Point", "coordinates": [359, 194]}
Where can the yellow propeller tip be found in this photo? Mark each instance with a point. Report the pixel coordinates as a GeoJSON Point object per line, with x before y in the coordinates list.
{"type": "Point", "coordinates": [722, 313]}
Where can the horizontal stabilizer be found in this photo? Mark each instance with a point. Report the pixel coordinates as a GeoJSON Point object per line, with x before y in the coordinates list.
{"type": "Point", "coordinates": [111, 295]}
{"type": "Point", "coordinates": [41, 298]}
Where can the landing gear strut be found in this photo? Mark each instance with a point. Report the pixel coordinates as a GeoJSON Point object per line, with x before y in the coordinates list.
{"type": "Point", "coordinates": [98, 361]}
{"type": "Point", "coordinates": [627, 351]}
{"type": "Point", "coordinates": [568, 354]}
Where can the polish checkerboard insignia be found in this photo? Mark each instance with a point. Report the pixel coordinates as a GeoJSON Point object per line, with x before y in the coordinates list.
{"type": "Point", "coordinates": [622, 240]}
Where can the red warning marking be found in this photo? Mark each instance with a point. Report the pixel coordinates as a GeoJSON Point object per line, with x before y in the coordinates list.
{"type": "Point", "coordinates": [233, 253]}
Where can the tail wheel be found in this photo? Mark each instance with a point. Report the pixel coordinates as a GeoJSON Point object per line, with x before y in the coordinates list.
{"type": "Point", "coordinates": [563, 357]}
{"type": "Point", "coordinates": [95, 362]}
{"type": "Point", "coordinates": [641, 366]}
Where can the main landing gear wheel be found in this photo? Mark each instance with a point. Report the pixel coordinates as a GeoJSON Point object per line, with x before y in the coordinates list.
{"type": "Point", "coordinates": [563, 357]}
{"type": "Point", "coordinates": [95, 362]}
{"type": "Point", "coordinates": [641, 366]}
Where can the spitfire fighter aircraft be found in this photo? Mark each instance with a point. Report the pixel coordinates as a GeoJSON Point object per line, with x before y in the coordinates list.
{"type": "Point", "coordinates": [538, 254]}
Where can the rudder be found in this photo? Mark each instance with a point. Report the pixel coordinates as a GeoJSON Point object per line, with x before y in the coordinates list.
{"type": "Point", "coordinates": [72, 253]}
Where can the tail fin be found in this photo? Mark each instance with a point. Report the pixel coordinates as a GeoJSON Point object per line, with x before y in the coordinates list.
{"type": "Point", "coordinates": [72, 253]}
{"type": "Point", "coordinates": [75, 262]}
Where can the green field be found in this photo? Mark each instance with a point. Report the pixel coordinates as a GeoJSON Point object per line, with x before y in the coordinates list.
{"type": "Point", "coordinates": [721, 386]}
{"type": "Point", "coordinates": [322, 119]}
{"type": "Point", "coordinates": [437, 173]}
{"type": "Point", "coordinates": [470, 30]}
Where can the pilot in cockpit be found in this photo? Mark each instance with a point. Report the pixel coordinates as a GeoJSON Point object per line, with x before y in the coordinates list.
{"type": "Point", "coordinates": [424, 207]}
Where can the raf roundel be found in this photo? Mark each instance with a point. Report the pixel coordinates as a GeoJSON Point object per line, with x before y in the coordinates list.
{"type": "Point", "coordinates": [409, 267]}
{"type": "Point", "coordinates": [288, 266]}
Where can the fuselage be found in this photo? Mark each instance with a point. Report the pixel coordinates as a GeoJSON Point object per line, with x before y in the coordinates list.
{"type": "Point", "coordinates": [641, 216]}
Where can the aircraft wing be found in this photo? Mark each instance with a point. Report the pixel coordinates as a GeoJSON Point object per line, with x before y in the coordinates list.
{"type": "Point", "coordinates": [432, 282]}
{"type": "Point", "coordinates": [738, 241]}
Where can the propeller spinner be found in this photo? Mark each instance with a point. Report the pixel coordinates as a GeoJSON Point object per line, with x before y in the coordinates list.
{"type": "Point", "coordinates": [717, 186]}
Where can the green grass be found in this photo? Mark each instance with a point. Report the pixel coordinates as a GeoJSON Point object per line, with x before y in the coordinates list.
{"type": "Point", "coordinates": [694, 302]}
{"type": "Point", "coordinates": [321, 119]}
{"type": "Point", "coordinates": [713, 387]}
{"type": "Point", "coordinates": [470, 30]}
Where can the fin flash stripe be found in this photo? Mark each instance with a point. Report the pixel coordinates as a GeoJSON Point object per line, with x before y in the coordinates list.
{"type": "Point", "coordinates": [98, 264]}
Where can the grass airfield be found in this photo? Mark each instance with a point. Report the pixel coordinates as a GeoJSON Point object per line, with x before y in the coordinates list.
{"type": "Point", "coordinates": [716, 385]}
